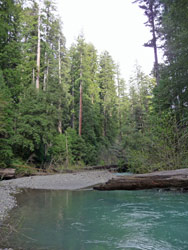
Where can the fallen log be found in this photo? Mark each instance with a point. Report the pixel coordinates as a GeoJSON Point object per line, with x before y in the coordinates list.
{"type": "Point", "coordinates": [163, 180]}
{"type": "Point", "coordinates": [102, 167]}
{"type": "Point", "coordinates": [7, 173]}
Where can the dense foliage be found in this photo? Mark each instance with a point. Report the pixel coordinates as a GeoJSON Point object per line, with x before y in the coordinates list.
{"type": "Point", "coordinates": [61, 107]}
{"type": "Point", "coordinates": [163, 142]}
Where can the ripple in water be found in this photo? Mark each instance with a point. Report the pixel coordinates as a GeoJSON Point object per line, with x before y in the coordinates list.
{"type": "Point", "coordinates": [92, 220]}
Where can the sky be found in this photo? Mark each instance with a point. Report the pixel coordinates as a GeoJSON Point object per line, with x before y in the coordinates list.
{"type": "Point", "coordinates": [113, 25]}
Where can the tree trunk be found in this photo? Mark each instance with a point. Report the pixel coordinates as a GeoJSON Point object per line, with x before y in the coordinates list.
{"type": "Point", "coordinates": [164, 179]}
{"type": "Point", "coordinates": [46, 63]}
{"type": "Point", "coordinates": [7, 173]}
{"type": "Point", "coordinates": [119, 101]}
{"type": "Point", "coordinates": [59, 72]}
{"type": "Point", "coordinates": [156, 63]}
{"type": "Point", "coordinates": [80, 110]}
{"type": "Point", "coordinates": [33, 76]}
{"type": "Point", "coordinates": [59, 60]}
{"type": "Point", "coordinates": [38, 54]}
{"type": "Point", "coordinates": [73, 115]}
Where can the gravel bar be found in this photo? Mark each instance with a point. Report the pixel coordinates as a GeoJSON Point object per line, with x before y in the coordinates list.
{"type": "Point", "coordinates": [71, 181]}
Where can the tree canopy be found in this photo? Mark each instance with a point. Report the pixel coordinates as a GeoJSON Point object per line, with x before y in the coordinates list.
{"type": "Point", "coordinates": [63, 107]}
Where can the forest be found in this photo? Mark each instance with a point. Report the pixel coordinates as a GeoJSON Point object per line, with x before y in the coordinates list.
{"type": "Point", "coordinates": [69, 108]}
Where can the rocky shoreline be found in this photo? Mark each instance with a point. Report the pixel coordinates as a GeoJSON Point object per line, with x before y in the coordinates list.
{"type": "Point", "coordinates": [7, 200]}
{"type": "Point", "coordinates": [71, 181]}
{"type": "Point", "coordinates": [99, 179]}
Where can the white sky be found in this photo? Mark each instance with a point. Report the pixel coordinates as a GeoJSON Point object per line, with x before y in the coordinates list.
{"type": "Point", "coordinates": [113, 25]}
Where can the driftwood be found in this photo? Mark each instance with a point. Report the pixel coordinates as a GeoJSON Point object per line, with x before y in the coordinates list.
{"type": "Point", "coordinates": [105, 167]}
{"type": "Point", "coordinates": [7, 173]}
{"type": "Point", "coordinates": [165, 179]}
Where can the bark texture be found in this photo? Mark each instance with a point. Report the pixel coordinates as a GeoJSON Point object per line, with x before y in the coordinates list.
{"type": "Point", "coordinates": [164, 179]}
{"type": "Point", "coordinates": [7, 173]}
{"type": "Point", "coordinates": [38, 54]}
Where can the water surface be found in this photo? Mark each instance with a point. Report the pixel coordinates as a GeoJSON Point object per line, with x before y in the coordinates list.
{"type": "Point", "coordinates": [94, 220]}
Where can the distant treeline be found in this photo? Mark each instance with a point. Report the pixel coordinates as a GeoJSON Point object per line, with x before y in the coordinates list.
{"type": "Point", "coordinates": [64, 107]}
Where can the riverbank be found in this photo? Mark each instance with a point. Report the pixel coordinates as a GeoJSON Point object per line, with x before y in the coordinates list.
{"type": "Point", "coordinates": [101, 179]}
{"type": "Point", "coordinates": [71, 181]}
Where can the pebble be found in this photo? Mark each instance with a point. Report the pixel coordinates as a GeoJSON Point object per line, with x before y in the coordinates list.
{"type": "Point", "coordinates": [7, 200]}
{"type": "Point", "coordinates": [6, 249]}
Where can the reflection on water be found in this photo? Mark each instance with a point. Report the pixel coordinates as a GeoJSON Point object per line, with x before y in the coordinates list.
{"type": "Point", "coordinates": [93, 220]}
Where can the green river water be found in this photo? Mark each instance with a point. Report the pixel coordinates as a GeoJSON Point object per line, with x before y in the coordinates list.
{"type": "Point", "coordinates": [94, 220]}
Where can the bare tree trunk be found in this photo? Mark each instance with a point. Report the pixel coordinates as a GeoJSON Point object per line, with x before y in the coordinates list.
{"type": "Point", "coordinates": [60, 122]}
{"type": "Point", "coordinates": [80, 110]}
{"type": "Point", "coordinates": [119, 102]}
{"type": "Point", "coordinates": [156, 63]}
{"type": "Point", "coordinates": [46, 57]}
{"type": "Point", "coordinates": [33, 76]}
{"type": "Point", "coordinates": [59, 72]}
{"type": "Point", "coordinates": [45, 72]}
{"type": "Point", "coordinates": [46, 77]}
{"type": "Point", "coordinates": [38, 54]}
{"type": "Point", "coordinates": [161, 179]}
{"type": "Point", "coordinates": [92, 99]}
{"type": "Point", "coordinates": [73, 115]}
{"type": "Point", "coordinates": [59, 57]}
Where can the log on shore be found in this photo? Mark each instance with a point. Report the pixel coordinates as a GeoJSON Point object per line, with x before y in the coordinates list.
{"type": "Point", "coordinates": [163, 180]}
{"type": "Point", "coordinates": [7, 173]}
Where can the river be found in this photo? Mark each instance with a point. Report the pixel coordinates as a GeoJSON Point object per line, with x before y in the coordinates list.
{"type": "Point", "coordinates": [94, 220]}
